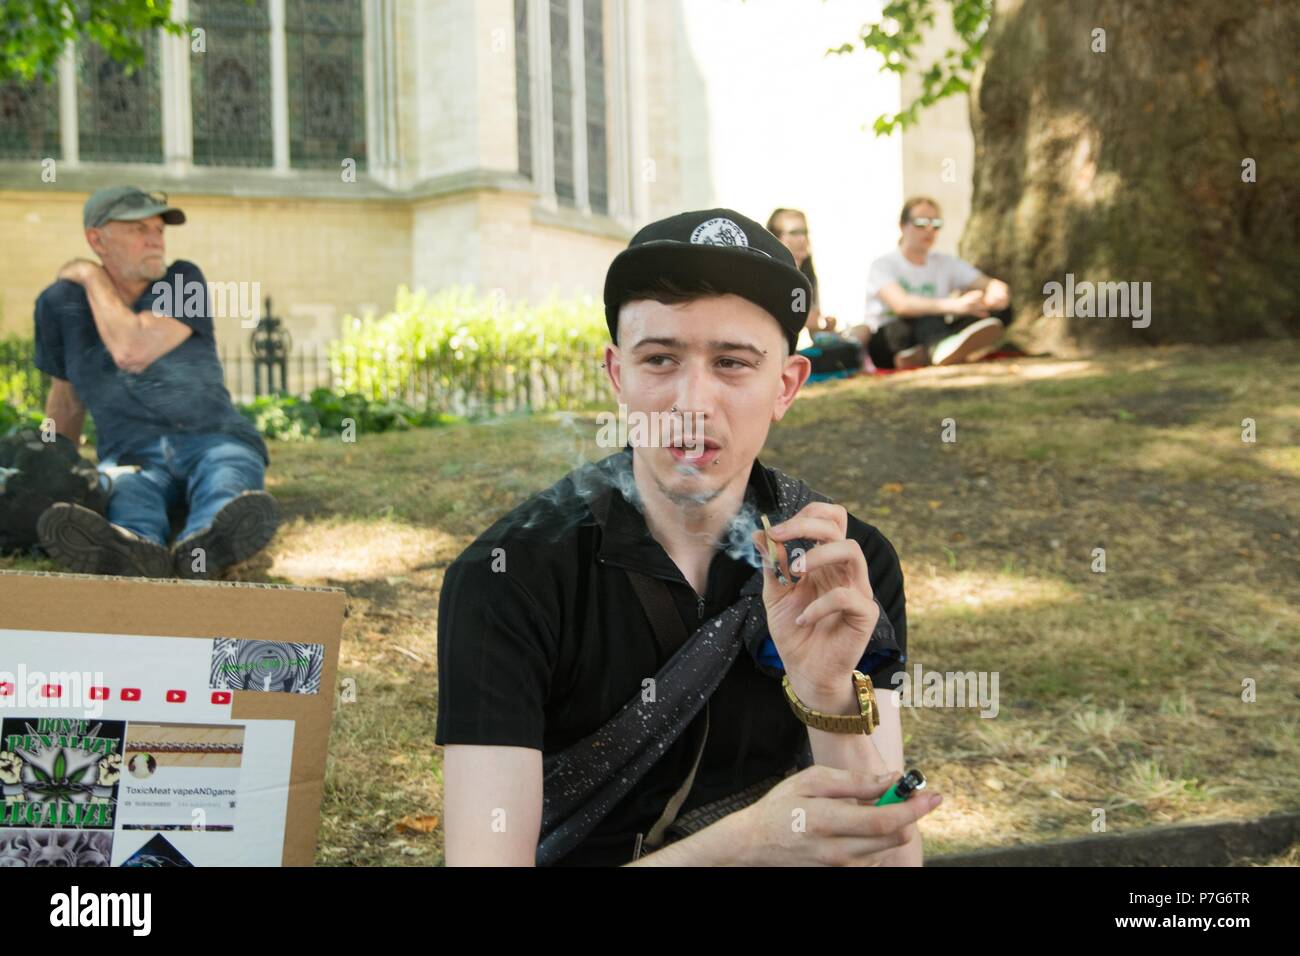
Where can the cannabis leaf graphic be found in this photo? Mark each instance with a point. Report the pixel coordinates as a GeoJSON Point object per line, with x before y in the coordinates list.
{"type": "Point", "coordinates": [59, 785]}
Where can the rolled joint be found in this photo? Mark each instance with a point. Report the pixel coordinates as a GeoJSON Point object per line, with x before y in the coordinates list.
{"type": "Point", "coordinates": [772, 556]}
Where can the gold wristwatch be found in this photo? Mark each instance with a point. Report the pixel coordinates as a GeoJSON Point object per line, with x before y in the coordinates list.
{"type": "Point", "coordinates": [864, 723]}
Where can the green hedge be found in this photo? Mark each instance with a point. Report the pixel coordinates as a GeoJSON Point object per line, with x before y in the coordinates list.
{"type": "Point", "coordinates": [13, 418]}
{"type": "Point", "coordinates": [456, 348]}
{"type": "Point", "coordinates": [286, 418]}
{"type": "Point", "coordinates": [16, 419]}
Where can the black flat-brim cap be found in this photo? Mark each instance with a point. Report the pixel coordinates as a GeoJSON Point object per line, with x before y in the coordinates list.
{"type": "Point", "coordinates": [731, 252]}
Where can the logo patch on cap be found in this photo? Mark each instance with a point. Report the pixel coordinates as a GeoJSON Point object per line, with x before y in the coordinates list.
{"type": "Point", "coordinates": [719, 232]}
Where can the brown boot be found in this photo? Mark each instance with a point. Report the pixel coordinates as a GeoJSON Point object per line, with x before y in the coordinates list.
{"type": "Point", "coordinates": [244, 526]}
{"type": "Point", "coordinates": [82, 540]}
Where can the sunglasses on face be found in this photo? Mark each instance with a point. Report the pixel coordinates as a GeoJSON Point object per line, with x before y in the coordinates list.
{"type": "Point", "coordinates": [135, 200]}
{"type": "Point", "coordinates": [922, 221]}
{"type": "Point", "coordinates": [793, 232]}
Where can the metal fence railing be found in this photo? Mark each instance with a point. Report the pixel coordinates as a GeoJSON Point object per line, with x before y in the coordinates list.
{"type": "Point", "coordinates": [485, 387]}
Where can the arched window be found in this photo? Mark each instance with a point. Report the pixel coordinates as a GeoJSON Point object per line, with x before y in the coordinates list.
{"type": "Point", "coordinates": [593, 51]}
{"type": "Point", "coordinates": [230, 83]}
{"type": "Point", "coordinates": [119, 112]}
{"type": "Point", "coordinates": [29, 121]}
{"type": "Point", "coordinates": [562, 102]}
{"type": "Point", "coordinates": [523, 89]}
{"type": "Point", "coordinates": [327, 121]}
{"type": "Point", "coordinates": [571, 73]}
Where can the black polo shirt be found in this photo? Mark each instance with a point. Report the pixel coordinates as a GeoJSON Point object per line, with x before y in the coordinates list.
{"type": "Point", "coordinates": [541, 639]}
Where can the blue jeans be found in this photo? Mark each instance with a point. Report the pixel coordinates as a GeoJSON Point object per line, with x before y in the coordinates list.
{"type": "Point", "coordinates": [208, 470]}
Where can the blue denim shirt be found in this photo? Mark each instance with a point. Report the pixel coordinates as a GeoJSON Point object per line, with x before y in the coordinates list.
{"type": "Point", "coordinates": [181, 392]}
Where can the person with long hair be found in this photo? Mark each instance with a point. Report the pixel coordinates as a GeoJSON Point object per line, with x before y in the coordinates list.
{"type": "Point", "coordinates": [791, 227]}
{"type": "Point", "coordinates": [930, 308]}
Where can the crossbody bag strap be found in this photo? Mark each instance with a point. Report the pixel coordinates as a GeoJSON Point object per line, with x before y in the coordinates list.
{"type": "Point", "coordinates": [671, 633]}
{"type": "Point", "coordinates": [659, 606]}
{"type": "Point", "coordinates": [655, 838]}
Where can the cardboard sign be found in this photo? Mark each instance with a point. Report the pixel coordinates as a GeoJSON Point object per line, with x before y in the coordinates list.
{"type": "Point", "coordinates": [163, 723]}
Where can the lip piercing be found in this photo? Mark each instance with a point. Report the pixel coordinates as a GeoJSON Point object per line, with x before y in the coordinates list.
{"type": "Point", "coordinates": [673, 409]}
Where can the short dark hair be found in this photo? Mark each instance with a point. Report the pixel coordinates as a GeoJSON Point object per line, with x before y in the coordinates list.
{"type": "Point", "coordinates": [673, 291]}
{"type": "Point", "coordinates": [676, 291]}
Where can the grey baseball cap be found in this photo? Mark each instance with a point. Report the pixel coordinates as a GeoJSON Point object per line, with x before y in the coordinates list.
{"type": "Point", "coordinates": [128, 203]}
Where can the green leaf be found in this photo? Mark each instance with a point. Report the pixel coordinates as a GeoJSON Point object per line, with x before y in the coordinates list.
{"type": "Point", "coordinates": [36, 32]}
{"type": "Point", "coordinates": [947, 76]}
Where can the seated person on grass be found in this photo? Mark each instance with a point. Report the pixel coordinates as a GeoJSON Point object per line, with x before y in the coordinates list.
{"type": "Point", "coordinates": [132, 341]}
{"type": "Point", "coordinates": [611, 653]}
{"type": "Point", "coordinates": [832, 355]}
{"type": "Point", "coordinates": [791, 227]}
{"type": "Point", "coordinates": [929, 308]}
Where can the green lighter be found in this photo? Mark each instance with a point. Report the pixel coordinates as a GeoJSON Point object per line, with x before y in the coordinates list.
{"type": "Point", "coordinates": [906, 785]}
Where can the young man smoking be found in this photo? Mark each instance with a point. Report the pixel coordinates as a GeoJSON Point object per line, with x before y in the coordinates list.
{"type": "Point", "coordinates": [612, 652]}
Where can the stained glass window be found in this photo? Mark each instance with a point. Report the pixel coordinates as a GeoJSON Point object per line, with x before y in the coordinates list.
{"type": "Point", "coordinates": [594, 59]}
{"type": "Point", "coordinates": [561, 101]}
{"type": "Point", "coordinates": [29, 120]}
{"type": "Point", "coordinates": [119, 113]}
{"type": "Point", "coordinates": [523, 90]}
{"type": "Point", "coordinates": [230, 83]}
{"type": "Point", "coordinates": [327, 120]}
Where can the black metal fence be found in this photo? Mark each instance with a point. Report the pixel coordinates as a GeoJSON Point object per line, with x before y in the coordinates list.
{"type": "Point", "coordinates": [488, 386]}
{"type": "Point", "coordinates": [305, 369]}
{"type": "Point", "coordinates": [485, 387]}
{"type": "Point", "coordinates": [22, 384]}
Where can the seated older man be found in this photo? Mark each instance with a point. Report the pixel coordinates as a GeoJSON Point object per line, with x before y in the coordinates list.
{"type": "Point", "coordinates": [131, 339]}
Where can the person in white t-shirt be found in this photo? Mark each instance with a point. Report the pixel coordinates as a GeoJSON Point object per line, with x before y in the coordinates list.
{"type": "Point", "coordinates": [929, 308]}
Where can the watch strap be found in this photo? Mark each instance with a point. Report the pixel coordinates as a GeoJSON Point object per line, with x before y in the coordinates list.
{"type": "Point", "coordinates": [864, 722]}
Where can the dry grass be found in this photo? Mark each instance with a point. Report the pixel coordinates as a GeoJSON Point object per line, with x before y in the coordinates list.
{"type": "Point", "coordinates": [1119, 691]}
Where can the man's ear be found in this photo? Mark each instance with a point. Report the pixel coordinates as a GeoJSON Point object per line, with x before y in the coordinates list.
{"type": "Point", "coordinates": [95, 239]}
{"type": "Point", "coordinates": [614, 368]}
{"type": "Point", "coordinates": [794, 373]}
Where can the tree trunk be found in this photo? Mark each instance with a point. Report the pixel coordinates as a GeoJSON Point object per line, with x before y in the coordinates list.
{"type": "Point", "coordinates": [1133, 165]}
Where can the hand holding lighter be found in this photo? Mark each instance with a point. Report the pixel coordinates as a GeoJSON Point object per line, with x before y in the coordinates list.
{"type": "Point", "coordinates": [904, 787]}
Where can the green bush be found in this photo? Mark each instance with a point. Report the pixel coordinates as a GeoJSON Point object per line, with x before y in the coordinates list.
{"type": "Point", "coordinates": [283, 417]}
{"type": "Point", "coordinates": [20, 380]}
{"type": "Point", "coordinates": [286, 418]}
{"type": "Point", "coordinates": [470, 349]}
{"type": "Point", "coordinates": [333, 408]}
{"type": "Point", "coordinates": [23, 387]}
{"type": "Point", "coordinates": [13, 419]}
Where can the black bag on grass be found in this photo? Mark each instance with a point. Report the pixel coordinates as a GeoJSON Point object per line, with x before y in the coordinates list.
{"type": "Point", "coordinates": [34, 474]}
